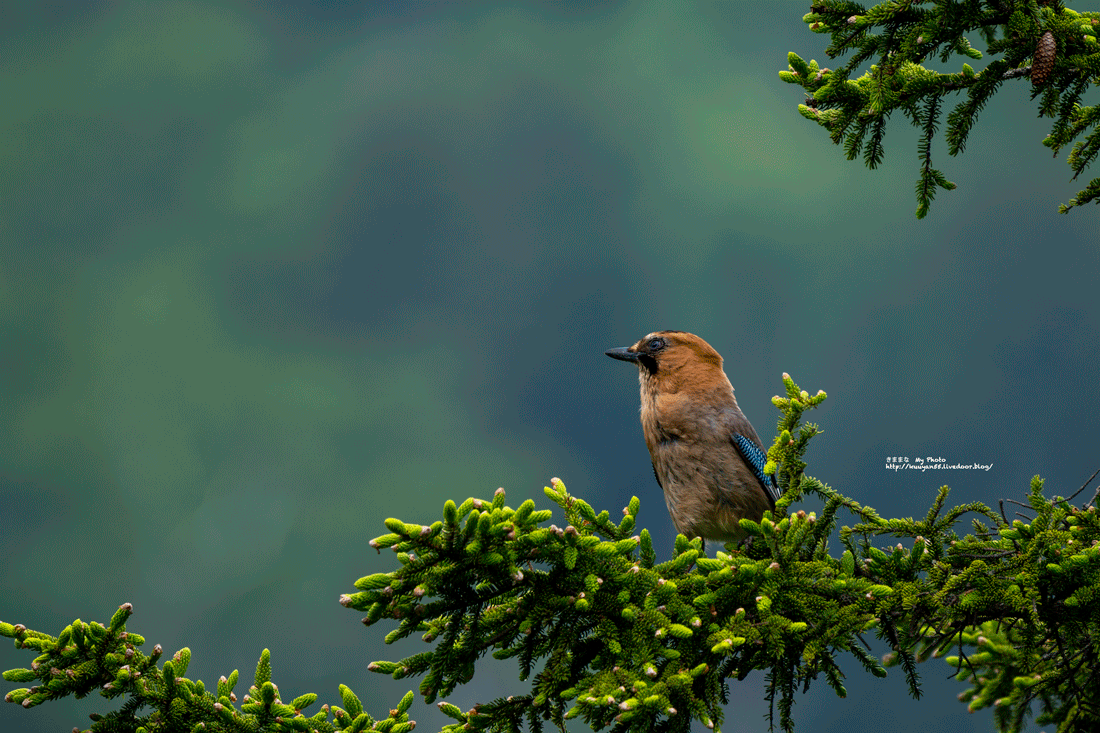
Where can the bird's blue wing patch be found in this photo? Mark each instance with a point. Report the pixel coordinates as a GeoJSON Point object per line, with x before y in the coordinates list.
{"type": "Point", "coordinates": [756, 458]}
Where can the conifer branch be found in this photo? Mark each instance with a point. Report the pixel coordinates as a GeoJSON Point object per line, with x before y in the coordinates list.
{"type": "Point", "coordinates": [88, 657]}
{"type": "Point", "coordinates": [1053, 46]}
{"type": "Point", "coordinates": [627, 643]}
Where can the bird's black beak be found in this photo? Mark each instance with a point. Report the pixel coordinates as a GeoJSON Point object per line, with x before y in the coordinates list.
{"type": "Point", "coordinates": [623, 354]}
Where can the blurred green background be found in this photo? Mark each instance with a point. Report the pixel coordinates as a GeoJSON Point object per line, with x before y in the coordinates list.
{"type": "Point", "coordinates": [272, 272]}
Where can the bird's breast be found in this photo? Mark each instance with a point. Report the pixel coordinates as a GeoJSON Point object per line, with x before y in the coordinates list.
{"type": "Point", "coordinates": [667, 418]}
{"type": "Point", "coordinates": [707, 485]}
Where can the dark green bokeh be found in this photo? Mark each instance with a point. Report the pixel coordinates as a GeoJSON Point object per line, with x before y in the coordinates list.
{"type": "Point", "coordinates": [273, 272]}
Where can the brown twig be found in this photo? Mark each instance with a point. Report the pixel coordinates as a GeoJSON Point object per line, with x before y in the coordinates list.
{"type": "Point", "coordinates": [1075, 493]}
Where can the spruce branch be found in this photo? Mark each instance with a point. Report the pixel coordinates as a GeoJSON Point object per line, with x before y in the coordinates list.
{"type": "Point", "coordinates": [652, 646]}
{"type": "Point", "coordinates": [603, 632]}
{"type": "Point", "coordinates": [89, 657]}
{"type": "Point", "coordinates": [1052, 46]}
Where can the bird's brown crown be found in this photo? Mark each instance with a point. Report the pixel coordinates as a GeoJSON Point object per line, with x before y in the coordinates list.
{"type": "Point", "coordinates": [678, 360]}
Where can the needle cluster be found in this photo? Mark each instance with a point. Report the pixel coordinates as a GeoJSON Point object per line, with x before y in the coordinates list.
{"type": "Point", "coordinates": [602, 631]}
{"type": "Point", "coordinates": [1043, 41]}
{"type": "Point", "coordinates": [91, 657]}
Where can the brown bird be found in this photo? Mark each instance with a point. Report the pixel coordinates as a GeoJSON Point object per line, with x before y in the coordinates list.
{"type": "Point", "coordinates": [706, 456]}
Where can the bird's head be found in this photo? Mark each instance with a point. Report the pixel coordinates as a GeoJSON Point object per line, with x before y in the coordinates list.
{"type": "Point", "coordinates": [673, 360]}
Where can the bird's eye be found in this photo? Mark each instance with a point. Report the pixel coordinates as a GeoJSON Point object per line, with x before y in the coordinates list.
{"type": "Point", "coordinates": [655, 344]}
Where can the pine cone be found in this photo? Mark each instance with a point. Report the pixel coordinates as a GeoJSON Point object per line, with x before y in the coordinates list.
{"type": "Point", "coordinates": [1043, 62]}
